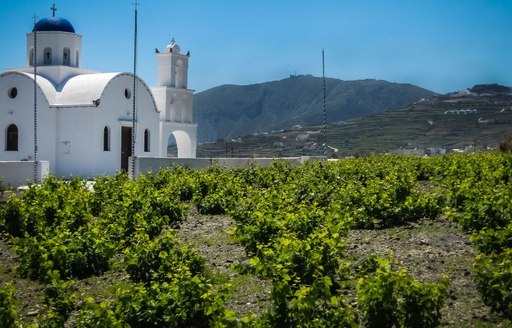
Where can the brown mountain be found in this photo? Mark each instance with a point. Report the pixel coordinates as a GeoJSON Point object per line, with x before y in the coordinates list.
{"type": "Point", "coordinates": [231, 111]}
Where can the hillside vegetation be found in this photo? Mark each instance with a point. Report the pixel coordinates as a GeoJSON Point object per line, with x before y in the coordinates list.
{"type": "Point", "coordinates": [479, 118]}
{"type": "Point", "coordinates": [230, 111]}
{"type": "Point", "coordinates": [376, 241]}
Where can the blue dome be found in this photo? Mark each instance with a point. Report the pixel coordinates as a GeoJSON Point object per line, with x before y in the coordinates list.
{"type": "Point", "coordinates": [53, 24]}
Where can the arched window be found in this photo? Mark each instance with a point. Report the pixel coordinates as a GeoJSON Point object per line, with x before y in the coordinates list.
{"type": "Point", "coordinates": [146, 140]}
{"type": "Point", "coordinates": [106, 139]}
{"type": "Point", "coordinates": [77, 64]}
{"type": "Point", "coordinates": [179, 74]}
{"type": "Point", "coordinates": [11, 143]}
{"type": "Point", "coordinates": [31, 57]}
{"type": "Point", "coordinates": [47, 56]}
{"type": "Point", "coordinates": [65, 56]}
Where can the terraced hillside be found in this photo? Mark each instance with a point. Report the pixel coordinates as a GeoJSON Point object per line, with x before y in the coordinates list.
{"type": "Point", "coordinates": [480, 119]}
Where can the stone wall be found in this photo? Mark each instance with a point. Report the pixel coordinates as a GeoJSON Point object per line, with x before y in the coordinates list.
{"type": "Point", "coordinates": [19, 173]}
{"type": "Point", "coordinates": [151, 164]}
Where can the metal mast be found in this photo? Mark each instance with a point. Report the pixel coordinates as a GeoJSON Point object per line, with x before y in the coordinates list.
{"type": "Point", "coordinates": [134, 103]}
{"type": "Point", "coordinates": [325, 107]}
{"type": "Point", "coordinates": [34, 63]}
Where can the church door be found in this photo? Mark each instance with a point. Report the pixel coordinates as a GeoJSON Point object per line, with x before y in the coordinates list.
{"type": "Point", "coordinates": [126, 146]}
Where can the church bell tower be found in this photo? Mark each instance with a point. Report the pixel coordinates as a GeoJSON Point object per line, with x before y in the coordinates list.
{"type": "Point", "coordinates": [172, 67]}
{"type": "Point", "coordinates": [174, 100]}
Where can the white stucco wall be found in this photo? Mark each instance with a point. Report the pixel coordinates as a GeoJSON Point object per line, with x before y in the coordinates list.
{"type": "Point", "coordinates": [20, 111]}
{"type": "Point", "coordinates": [176, 120]}
{"type": "Point", "coordinates": [84, 156]}
{"type": "Point", "coordinates": [17, 174]}
{"type": "Point", "coordinates": [56, 41]}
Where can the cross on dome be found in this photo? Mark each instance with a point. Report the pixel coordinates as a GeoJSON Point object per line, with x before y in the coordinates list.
{"type": "Point", "coordinates": [53, 9]}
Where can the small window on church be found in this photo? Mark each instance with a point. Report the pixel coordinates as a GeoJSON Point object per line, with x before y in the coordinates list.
{"type": "Point", "coordinates": [65, 56]}
{"type": "Point", "coordinates": [47, 56]}
{"type": "Point", "coordinates": [127, 93]}
{"type": "Point", "coordinates": [13, 92]}
{"type": "Point", "coordinates": [146, 140]}
{"type": "Point", "coordinates": [12, 138]}
{"type": "Point", "coordinates": [106, 139]}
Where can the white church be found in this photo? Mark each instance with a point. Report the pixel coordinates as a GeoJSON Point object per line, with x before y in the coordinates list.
{"type": "Point", "coordinates": [85, 118]}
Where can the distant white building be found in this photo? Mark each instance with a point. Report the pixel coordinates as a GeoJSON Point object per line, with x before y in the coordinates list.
{"type": "Point", "coordinates": [84, 118]}
{"type": "Point", "coordinates": [411, 151]}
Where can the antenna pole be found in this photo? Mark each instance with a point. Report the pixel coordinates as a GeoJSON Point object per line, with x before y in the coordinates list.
{"type": "Point", "coordinates": [134, 103]}
{"type": "Point", "coordinates": [34, 63]}
{"type": "Point", "coordinates": [325, 107]}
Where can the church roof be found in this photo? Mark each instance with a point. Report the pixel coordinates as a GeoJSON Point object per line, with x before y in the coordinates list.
{"type": "Point", "coordinates": [44, 85]}
{"type": "Point", "coordinates": [86, 88]}
{"type": "Point", "coordinates": [83, 89]}
{"type": "Point", "coordinates": [80, 90]}
{"type": "Point", "coordinates": [53, 24]}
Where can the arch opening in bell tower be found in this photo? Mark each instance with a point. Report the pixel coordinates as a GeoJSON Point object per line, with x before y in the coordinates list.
{"type": "Point", "coordinates": [183, 142]}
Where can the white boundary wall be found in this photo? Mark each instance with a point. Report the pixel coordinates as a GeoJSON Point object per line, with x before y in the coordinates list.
{"type": "Point", "coordinates": [19, 173]}
{"type": "Point", "coordinates": [152, 164]}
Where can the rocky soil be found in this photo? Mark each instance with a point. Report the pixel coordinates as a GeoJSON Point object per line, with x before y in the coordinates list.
{"type": "Point", "coordinates": [427, 249]}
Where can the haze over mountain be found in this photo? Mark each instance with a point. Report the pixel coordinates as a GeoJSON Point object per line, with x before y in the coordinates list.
{"type": "Point", "coordinates": [231, 111]}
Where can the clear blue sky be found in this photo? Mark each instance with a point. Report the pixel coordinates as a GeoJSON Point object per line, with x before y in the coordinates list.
{"type": "Point", "coordinates": [441, 45]}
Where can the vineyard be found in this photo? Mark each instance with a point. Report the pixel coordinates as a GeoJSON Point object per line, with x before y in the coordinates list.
{"type": "Point", "coordinates": [298, 246]}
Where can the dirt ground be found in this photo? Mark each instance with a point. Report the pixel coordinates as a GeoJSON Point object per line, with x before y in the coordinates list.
{"type": "Point", "coordinates": [427, 249]}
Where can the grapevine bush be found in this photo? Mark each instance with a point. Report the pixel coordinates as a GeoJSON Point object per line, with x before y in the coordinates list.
{"type": "Point", "coordinates": [392, 298]}
{"type": "Point", "coordinates": [293, 222]}
{"type": "Point", "coordinates": [2, 187]}
{"type": "Point", "coordinates": [8, 306]}
{"type": "Point", "coordinates": [479, 194]}
{"type": "Point", "coordinates": [169, 288]}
